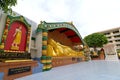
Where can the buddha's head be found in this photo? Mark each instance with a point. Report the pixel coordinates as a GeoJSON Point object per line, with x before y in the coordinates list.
{"type": "Point", "coordinates": [19, 27]}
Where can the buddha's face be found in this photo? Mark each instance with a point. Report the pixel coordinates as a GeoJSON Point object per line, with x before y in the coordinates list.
{"type": "Point", "coordinates": [20, 27]}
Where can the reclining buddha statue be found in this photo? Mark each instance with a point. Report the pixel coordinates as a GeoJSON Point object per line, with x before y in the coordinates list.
{"type": "Point", "coordinates": [56, 49]}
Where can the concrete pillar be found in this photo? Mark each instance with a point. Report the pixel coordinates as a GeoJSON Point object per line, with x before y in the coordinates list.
{"type": "Point", "coordinates": [2, 24]}
{"type": "Point", "coordinates": [30, 42]}
{"type": "Point", "coordinates": [33, 53]}
{"type": "Point", "coordinates": [39, 44]}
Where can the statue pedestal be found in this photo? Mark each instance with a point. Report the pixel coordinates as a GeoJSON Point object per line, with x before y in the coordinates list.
{"type": "Point", "coordinates": [17, 69]}
{"type": "Point", "coordinates": [15, 48]}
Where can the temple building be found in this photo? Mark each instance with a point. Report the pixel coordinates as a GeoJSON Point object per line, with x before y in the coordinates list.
{"type": "Point", "coordinates": [27, 48]}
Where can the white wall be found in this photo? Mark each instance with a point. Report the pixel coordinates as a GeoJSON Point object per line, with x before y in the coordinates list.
{"type": "Point", "coordinates": [110, 52]}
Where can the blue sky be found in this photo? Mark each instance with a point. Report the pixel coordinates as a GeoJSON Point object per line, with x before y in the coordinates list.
{"type": "Point", "coordinates": [88, 16]}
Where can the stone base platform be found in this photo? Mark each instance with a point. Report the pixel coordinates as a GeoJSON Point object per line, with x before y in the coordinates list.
{"type": "Point", "coordinates": [15, 69]}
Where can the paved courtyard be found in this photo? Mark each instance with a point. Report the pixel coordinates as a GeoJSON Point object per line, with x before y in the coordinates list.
{"type": "Point", "coordinates": [91, 70]}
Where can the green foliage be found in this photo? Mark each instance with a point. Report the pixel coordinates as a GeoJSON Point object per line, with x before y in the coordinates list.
{"type": "Point", "coordinates": [6, 5]}
{"type": "Point", "coordinates": [96, 40]}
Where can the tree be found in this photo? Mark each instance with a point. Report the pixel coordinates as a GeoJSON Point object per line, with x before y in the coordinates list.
{"type": "Point", "coordinates": [96, 40]}
{"type": "Point", "coordinates": [6, 5]}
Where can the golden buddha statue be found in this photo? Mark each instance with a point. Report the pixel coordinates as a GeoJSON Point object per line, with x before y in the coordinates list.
{"type": "Point", "coordinates": [56, 49]}
{"type": "Point", "coordinates": [17, 38]}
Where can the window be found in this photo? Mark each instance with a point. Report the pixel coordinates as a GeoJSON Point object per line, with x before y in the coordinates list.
{"type": "Point", "coordinates": [117, 44]}
{"type": "Point", "coordinates": [109, 37]}
{"type": "Point", "coordinates": [117, 36]}
{"type": "Point", "coordinates": [107, 33]}
{"type": "Point", "coordinates": [114, 32]}
{"type": "Point", "coordinates": [117, 40]}
{"type": "Point", "coordinates": [110, 41]}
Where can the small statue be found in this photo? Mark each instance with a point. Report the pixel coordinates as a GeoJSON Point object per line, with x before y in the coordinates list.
{"type": "Point", "coordinates": [17, 38]}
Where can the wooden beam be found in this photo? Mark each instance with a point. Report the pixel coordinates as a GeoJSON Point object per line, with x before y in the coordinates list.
{"type": "Point", "coordinates": [71, 36]}
{"type": "Point", "coordinates": [51, 30]}
{"type": "Point", "coordinates": [64, 30]}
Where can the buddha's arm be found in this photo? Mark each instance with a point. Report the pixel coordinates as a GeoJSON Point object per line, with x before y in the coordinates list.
{"type": "Point", "coordinates": [15, 33]}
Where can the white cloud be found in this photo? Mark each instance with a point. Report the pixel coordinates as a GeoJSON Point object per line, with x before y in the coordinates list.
{"type": "Point", "coordinates": [87, 15]}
